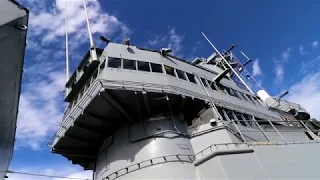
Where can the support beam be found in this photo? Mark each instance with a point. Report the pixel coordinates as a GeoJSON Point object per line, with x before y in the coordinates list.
{"type": "Point", "coordinates": [93, 131]}
{"type": "Point", "coordinates": [109, 99]}
{"type": "Point", "coordinates": [146, 102]}
{"type": "Point", "coordinates": [80, 139]}
{"type": "Point", "coordinates": [183, 102]}
{"type": "Point", "coordinates": [221, 75]}
{"type": "Point", "coordinates": [97, 118]}
{"type": "Point", "coordinates": [73, 153]}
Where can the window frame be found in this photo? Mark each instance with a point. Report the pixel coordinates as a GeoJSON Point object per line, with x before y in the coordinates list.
{"type": "Point", "coordinates": [148, 65]}
{"type": "Point", "coordinates": [193, 76]}
{"type": "Point", "coordinates": [135, 64]}
{"type": "Point", "coordinates": [173, 71]}
{"type": "Point", "coordinates": [184, 74]}
{"type": "Point", "coordinates": [161, 67]}
{"type": "Point", "coordinates": [113, 58]}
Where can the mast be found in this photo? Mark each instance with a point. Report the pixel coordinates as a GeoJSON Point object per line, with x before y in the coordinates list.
{"type": "Point", "coordinates": [67, 45]}
{"type": "Point", "coordinates": [243, 82]}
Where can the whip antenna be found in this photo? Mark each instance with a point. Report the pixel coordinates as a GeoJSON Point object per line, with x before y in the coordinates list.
{"type": "Point", "coordinates": [93, 52]}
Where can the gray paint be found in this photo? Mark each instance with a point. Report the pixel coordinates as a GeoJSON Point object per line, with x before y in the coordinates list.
{"type": "Point", "coordinates": [157, 149]}
{"type": "Point", "coordinates": [12, 45]}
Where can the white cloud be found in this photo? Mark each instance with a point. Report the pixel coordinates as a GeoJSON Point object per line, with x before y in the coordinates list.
{"type": "Point", "coordinates": [157, 40]}
{"type": "Point", "coordinates": [315, 45]}
{"type": "Point", "coordinates": [40, 110]}
{"type": "Point", "coordinates": [309, 65]}
{"type": "Point", "coordinates": [172, 40]}
{"type": "Point", "coordinates": [301, 92]}
{"type": "Point", "coordinates": [175, 41]}
{"type": "Point", "coordinates": [301, 50]}
{"type": "Point", "coordinates": [47, 20]}
{"type": "Point", "coordinates": [279, 72]}
{"type": "Point", "coordinates": [285, 55]}
{"type": "Point", "coordinates": [41, 101]}
{"type": "Point", "coordinates": [70, 172]}
{"type": "Point", "coordinates": [256, 70]}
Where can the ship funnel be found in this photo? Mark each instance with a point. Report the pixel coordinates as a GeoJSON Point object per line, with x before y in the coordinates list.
{"type": "Point", "coordinates": [264, 96]}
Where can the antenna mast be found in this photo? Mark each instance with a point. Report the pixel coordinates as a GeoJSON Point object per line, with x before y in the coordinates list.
{"type": "Point", "coordinates": [92, 48]}
{"type": "Point", "coordinates": [228, 63]}
{"type": "Point", "coordinates": [67, 45]}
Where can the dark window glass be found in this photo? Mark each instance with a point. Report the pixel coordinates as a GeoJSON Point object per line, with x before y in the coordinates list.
{"type": "Point", "coordinates": [240, 118]}
{"type": "Point", "coordinates": [191, 78]}
{"type": "Point", "coordinates": [114, 62]}
{"type": "Point", "coordinates": [169, 70]}
{"type": "Point", "coordinates": [249, 119]}
{"type": "Point", "coordinates": [251, 100]}
{"type": "Point", "coordinates": [211, 84]}
{"type": "Point", "coordinates": [261, 121]}
{"type": "Point", "coordinates": [143, 66]}
{"type": "Point", "coordinates": [204, 82]}
{"type": "Point", "coordinates": [220, 110]}
{"type": "Point", "coordinates": [129, 64]}
{"type": "Point", "coordinates": [221, 87]}
{"type": "Point", "coordinates": [232, 92]}
{"type": "Point", "coordinates": [181, 74]}
{"type": "Point", "coordinates": [156, 68]}
{"type": "Point", "coordinates": [244, 96]}
{"type": "Point", "coordinates": [229, 114]}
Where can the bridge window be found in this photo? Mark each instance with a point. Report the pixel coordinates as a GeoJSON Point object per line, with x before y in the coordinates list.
{"type": "Point", "coordinates": [129, 64]}
{"type": "Point", "coordinates": [211, 84]}
{"type": "Point", "coordinates": [143, 66]}
{"type": "Point", "coordinates": [221, 87]}
{"type": "Point", "coordinates": [240, 118]}
{"type": "Point", "coordinates": [156, 68]}
{"type": "Point", "coordinates": [231, 92]}
{"type": "Point", "coordinates": [191, 78]}
{"type": "Point", "coordinates": [204, 82]}
{"type": "Point", "coordinates": [181, 74]}
{"type": "Point", "coordinates": [114, 62]}
{"type": "Point", "coordinates": [169, 70]}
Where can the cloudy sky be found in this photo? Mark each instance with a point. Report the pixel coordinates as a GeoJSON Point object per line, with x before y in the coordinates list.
{"type": "Point", "coordinates": [282, 37]}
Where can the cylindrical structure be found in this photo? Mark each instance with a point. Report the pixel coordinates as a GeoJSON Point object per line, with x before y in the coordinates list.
{"type": "Point", "coordinates": [152, 149]}
{"type": "Point", "coordinates": [264, 96]}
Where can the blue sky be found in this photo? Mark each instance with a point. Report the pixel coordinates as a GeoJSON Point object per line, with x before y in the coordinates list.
{"type": "Point", "coordinates": [281, 35]}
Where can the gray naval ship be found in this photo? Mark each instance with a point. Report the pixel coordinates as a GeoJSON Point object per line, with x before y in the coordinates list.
{"type": "Point", "coordinates": [13, 29]}
{"type": "Point", "coordinates": [138, 113]}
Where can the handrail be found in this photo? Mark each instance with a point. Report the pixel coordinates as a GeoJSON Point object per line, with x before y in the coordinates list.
{"type": "Point", "coordinates": [129, 85]}
{"type": "Point", "coordinates": [68, 120]}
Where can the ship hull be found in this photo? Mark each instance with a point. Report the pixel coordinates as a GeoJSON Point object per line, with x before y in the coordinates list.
{"type": "Point", "coordinates": [12, 45]}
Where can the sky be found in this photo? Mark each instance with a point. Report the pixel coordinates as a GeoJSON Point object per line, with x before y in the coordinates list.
{"type": "Point", "coordinates": [281, 36]}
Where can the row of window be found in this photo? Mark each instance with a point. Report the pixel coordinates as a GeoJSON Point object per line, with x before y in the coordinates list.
{"type": "Point", "coordinates": [150, 67]}
{"type": "Point", "coordinates": [240, 118]}
{"type": "Point", "coordinates": [159, 68]}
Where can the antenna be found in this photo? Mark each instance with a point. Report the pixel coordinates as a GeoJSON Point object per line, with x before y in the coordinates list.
{"type": "Point", "coordinates": [245, 55]}
{"type": "Point", "coordinates": [227, 63]}
{"type": "Point", "coordinates": [93, 52]}
{"type": "Point", "coordinates": [67, 45]}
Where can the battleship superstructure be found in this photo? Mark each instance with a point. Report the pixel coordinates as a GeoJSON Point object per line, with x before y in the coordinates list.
{"type": "Point", "coordinates": [13, 29]}
{"type": "Point", "coordinates": [140, 113]}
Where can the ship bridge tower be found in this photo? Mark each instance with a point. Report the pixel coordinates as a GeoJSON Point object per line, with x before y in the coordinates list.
{"type": "Point", "coordinates": [140, 113]}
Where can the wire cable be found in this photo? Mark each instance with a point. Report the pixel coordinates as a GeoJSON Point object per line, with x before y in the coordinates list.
{"type": "Point", "coordinates": [43, 175]}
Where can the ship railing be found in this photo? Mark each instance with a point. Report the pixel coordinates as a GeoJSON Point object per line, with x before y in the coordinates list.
{"type": "Point", "coordinates": [284, 103]}
{"type": "Point", "coordinates": [74, 110]}
{"type": "Point", "coordinates": [259, 124]}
